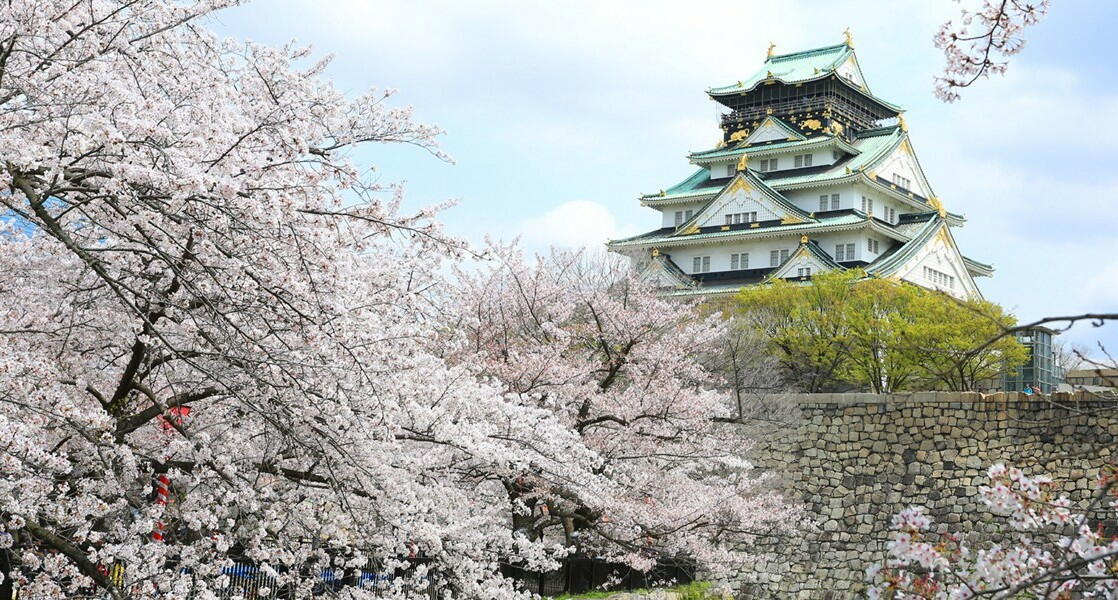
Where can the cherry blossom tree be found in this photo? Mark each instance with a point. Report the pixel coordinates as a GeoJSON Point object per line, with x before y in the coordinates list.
{"type": "Point", "coordinates": [579, 338]}
{"type": "Point", "coordinates": [1049, 551]}
{"type": "Point", "coordinates": [980, 43]}
{"type": "Point", "coordinates": [202, 294]}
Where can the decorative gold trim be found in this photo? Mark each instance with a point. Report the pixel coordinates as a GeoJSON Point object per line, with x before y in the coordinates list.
{"type": "Point", "coordinates": [754, 225]}
{"type": "Point", "coordinates": [791, 220]}
{"type": "Point", "coordinates": [803, 239]}
{"type": "Point", "coordinates": [902, 123]}
{"type": "Point", "coordinates": [655, 252]}
{"type": "Point", "coordinates": [739, 184]}
{"type": "Point", "coordinates": [743, 163]}
{"type": "Point", "coordinates": [724, 228]}
{"type": "Point", "coordinates": [772, 47]}
{"type": "Point", "coordinates": [693, 229]}
{"type": "Point", "coordinates": [739, 135]}
{"type": "Point", "coordinates": [848, 38]}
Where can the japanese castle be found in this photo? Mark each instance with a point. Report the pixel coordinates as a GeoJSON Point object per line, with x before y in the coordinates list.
{"type": "Point", "coordinates": [813, 173]}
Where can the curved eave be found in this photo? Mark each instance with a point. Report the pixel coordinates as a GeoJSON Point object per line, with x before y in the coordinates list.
{"type": "Point", "coordinates": [708, 157]}
{"type": "Point", "coordinates": [748, 178]}
{"type": "Point", "coordinates": [671, 199]}
{"type": "Point", "coordinates": [728, 91]}
{"type": "Point", "coordinates": [953, 219]}
{"type": "Point", "coordinates": [978, 269]}
{"type": "Point", "coordinates": [718, 237]}
{"type": "Point", "coordinates": [773, 62]}
{"type": "Point", "coordinates": [889, 264]}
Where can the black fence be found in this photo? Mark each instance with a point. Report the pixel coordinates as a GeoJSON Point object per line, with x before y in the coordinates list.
{"type": "Point", "coordinates": [246, 581]}
{"type": "Point", "coordinates": [579, 575]}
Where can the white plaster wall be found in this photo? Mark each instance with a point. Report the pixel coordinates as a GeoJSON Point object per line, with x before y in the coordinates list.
{"type": "Point", "coordinates": [720, 255]}
{"type": "Point", "coordinates": [848, 71]}
{"type": "Point", "coordinates": [828, 241]}
{"type": "Point", "coordinates": [739, 201]}
{"type": "Point", "coordinates": [668, 212]}
{"type": "Point", "coordinates": [808, 200]}
{"type": "Point", "coordinates": [904, 164]}
{"type": "Point", "coordinates": [767, 132]}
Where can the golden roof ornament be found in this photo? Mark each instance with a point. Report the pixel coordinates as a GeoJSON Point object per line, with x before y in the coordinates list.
{"type": "Point", "coordinates": [743, 162]}
{"type": "Point", "coordinates": [772, 47]}
{"type": "Point", "coordinates": [848, 38]}
{"type": "Point", "coordinates": [803, 239]}
{"type": "Point", "coordinates": [655, 252]}
{"type": "Point", "coordinates": [902, 123]}
{"type": "Point", "coordinates": [938, 205]}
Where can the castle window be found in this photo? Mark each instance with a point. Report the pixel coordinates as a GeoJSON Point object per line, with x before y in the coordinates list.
{"type": "Point", "coordinates": [700, 264]}
{"type": "Point", "coordinates": [678, 218]}
{"type": "Point", "coordinates": [769, 164]}
{"type": "Point", "coordinates": [903, 182]}
{"type": "Point", "coordinates": [939, 278]}
{"type": "Point", "coordinates": [823, 202]}
{"type": "Point", "coordinates": [873, 246]}
{"type": "Point", "coordinates": [891, 214]}
{"type": "Point", "coordinates": [776, 257]}
{"type": "Point", "coordinates": [730, 170]}
{"type": "Point", "coordinates": [844, 252]}
{"type": "Point", "coordinates": [834, 202]}
{"type": "Point", "coordinates": [745, 217]}
{"type": "Point", "coordinates": [802, 160]}
{"type": "Point", "coordinates": [803, 272]}
{"type": "Point", "coordinates": [867, 205]}
{"type": "Point", "coordinates": [687, 215]}
{"type": "Point", "coordinates": [739, 261]}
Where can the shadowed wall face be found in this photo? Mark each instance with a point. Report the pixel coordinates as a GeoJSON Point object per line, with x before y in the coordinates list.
{"type": "Point", "coordinates": [856, 460]}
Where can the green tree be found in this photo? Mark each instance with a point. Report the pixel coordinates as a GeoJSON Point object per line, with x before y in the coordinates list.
{"type": "Point", "coordinates": [847, 330]}
{"type": "Point", "coordinates": [947, 342]}
{"type": "Point", "coordinates": [804, 326]}
{"type": "Point", "coordinates": [879, 318]}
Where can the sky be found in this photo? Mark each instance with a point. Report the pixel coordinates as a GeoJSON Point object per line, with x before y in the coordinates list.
{"type": "Point", "coordinates": [559, 115]}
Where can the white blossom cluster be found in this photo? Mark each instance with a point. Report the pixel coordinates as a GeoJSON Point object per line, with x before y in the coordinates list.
{"type": "Point", "coordinates": [981, 41]}
{"type": "Point", "coordinates": [197, 282]}
{"type": "Point", "coordinates": [1049, 551]}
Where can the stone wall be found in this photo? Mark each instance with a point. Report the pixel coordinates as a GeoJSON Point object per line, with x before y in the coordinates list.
{"type": "Point", "coordinates": [855, 460]}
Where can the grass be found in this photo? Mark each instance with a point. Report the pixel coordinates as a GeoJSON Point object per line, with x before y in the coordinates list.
{"type": "Point", "coordinates": [698, 590]}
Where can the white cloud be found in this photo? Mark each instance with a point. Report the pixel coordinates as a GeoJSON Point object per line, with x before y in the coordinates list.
{"type": "Point", "coordinates": [575, 224]}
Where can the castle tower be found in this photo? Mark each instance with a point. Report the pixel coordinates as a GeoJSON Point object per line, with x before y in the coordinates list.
{"type": "Point", "coordinates": [813, 173]}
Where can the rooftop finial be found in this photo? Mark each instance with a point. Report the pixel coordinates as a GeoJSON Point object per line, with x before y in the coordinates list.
{"type": "Point", "coordinates": [848, 37]}
{"type": "Point", "coordinates": [803, 239]}
{"type": "Point", "coordinates": [772, 47]}
{"type": "Point", "coordinates": [902, 123]}
{"type": "Point", "coordinates": [743, 162]}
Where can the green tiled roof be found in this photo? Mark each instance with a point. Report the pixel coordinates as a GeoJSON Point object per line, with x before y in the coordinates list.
{"type": "Point", "coordinates": [871, 149]}
{"type": "Point", "coordinates": [978, 268]}
{"type": "Point", "coordinates": [666, 236]}
{"type": "Point", "coordinates": [799, 67]}
{"type": "Point", "coordinates": [689, 184]}
{"type": "Point", "coordinates": [792, 68]}
{"type": "Point", "coordinates": [887, 264]}
{"type": "Point", "coordinates": [765, 148]}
